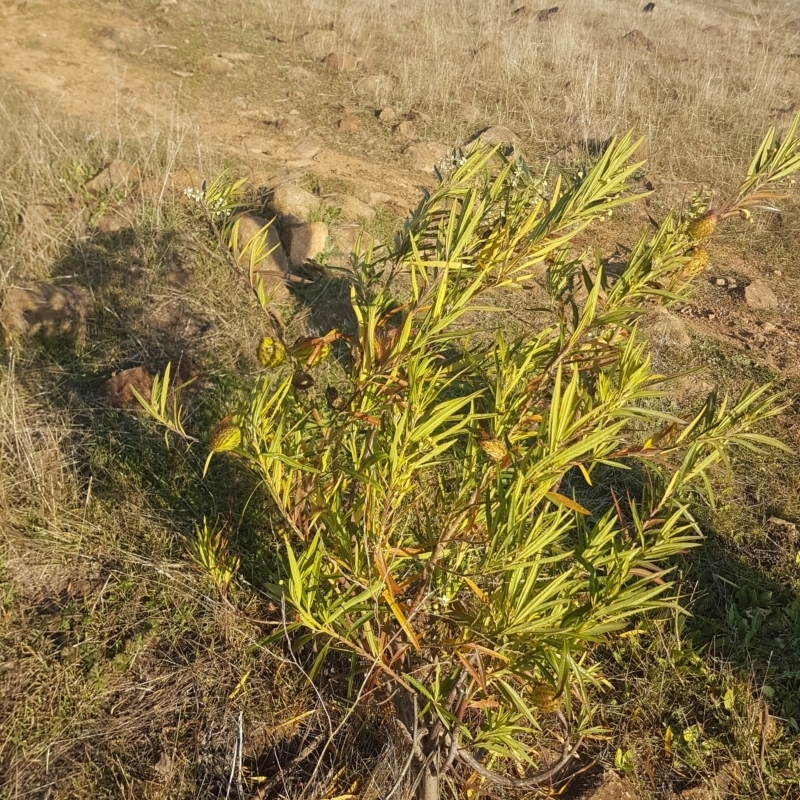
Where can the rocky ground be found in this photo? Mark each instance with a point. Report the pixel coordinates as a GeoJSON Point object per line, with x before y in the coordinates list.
{"type": "Point", "coordinates": [316, 128]}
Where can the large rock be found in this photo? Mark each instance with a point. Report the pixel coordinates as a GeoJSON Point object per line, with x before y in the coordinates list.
{"type": "Point", "coordinates": [760, 297]}
{"type": "Point", "coordinates": [294, 203]}
{"type": "Point", "coordinates": [426, 156]}
{"type": "Point", "coordinates": [271, 264]}
{"type": "Point", "coordinates": [664, 329]}
{"type": "Point", "coordinates": [117, 173]}
{"type": "Point", "coordinates": [44, 310]}
{"type": "Point", "coordinates": [352, 209]}
{"type": "Point", "coordinates": [305, 241]}
{"type": "Point", "coordinates": [320, 42]}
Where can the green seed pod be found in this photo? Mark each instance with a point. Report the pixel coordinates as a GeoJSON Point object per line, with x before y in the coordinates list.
{"type": "Point", "coordinates": [697, 264]}
{"type": "Point", "coordinates": [225, 436]}
{"type": "Point", "coordinates": [271, 353]}
{"type": "Point", "coordinates": [704, 226]}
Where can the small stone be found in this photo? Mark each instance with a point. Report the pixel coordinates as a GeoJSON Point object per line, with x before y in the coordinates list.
{"type": "Point", "coordinates": [387, 114]}
{"type": "Point", "coordinates": [346, 237]}
{"type": "Point", "coordinates": [308, 148]}
{"type": "Point", "coordinates": [320, 42]}
{"type": "Point", "coordinates": [404, 131]}
{"type": "Point", "coordinates": [425, 156]}
{"type": "Point", "coordinates": [731, 283]}
{"type": "Point", "coordinates": [218, 64]}
{"type": "Point", "coordinates": [273, 267]}
{"type": "Point", "coordinates": [418, 116]}
{"type": "Point", "coordinates": [614, 788]}
{"type": "Point", "coordinates": [497, 135]}
{"type": "Point", "coordinates": [777, 273]}
{"type": "Point", "coordinates": [294, 202]}
{"type": "Point", "coordinates": [379, 198]}
{"type": "Point", "coordinates": [35, 219]}
{"type": "Point", "coordinates": [340, 62]}
{"type": "Point", "coordinates": [114, 220]}
{"type": "Point", "coordinates": [305, 241]}
{"type": "Point", "coordinates": [117, 173]}
{"type": "Point", "coordinates": [352, 209]}
{"type": "Point", "coordinates": [760, 297]}
{"type": "Point", "coordinates": [299, 75]}
{"type": "Point", "coordinates": [638, 39]}
{"type": "Point", "coordinates": [379, 86]}
{"type": "Point", "coordinates": [768, 327]}
{"type": "Point", "coordinates": [50, 312]}
{"type": "Point", "coordinates": [349, 124]}
{"type": "Point", "coordinates": [664, 329]}
{"type": "Point", "coordinates": [720, 282]}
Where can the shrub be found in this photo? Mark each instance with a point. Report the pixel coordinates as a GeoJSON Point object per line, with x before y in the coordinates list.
{"type": "Point", "coordinates": [466, 512]}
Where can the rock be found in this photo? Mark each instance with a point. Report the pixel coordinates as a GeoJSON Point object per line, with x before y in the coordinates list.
{"type": "Point", "coordinates": [346, 237]}
{"type": "Point", "coordinates": [348, 124]}
{"type": "Point", "coordinates": [308, 148]}
{"type": "Point", "coordinates": [294, 203]}
{"type": "Point", "coordinates": [130, 39]}
{"type": "Point", "coordinates": [305, 241]}
{"type": "Point", "coordinates": [404, 131]}
{"type": "Point", "coordinates": [117, 391]}
{"type": "Point", "coordinates": [648, 7]}
{"type": "Point", "coordinates": [664, 329]}
{"type": "Point", "coordinates": [44, 310]}
{"type": "Point", "coordinates": [178, 181]}
{"type": "Point", "coordinates": [546, 13]}
{"type": "Point", "coordinates": [638, 39]}
{"type": "Point", "coordinates": [768, 328]}
{"type": "Point", "coordinates": [380, 199]}
{"type": "Point", "coordinates": [35, 219]}
{"type": "Point", "coordinates": [614, 788]}
{"type": "Point", "coordinates": [387, 114]}
{"type": "Point", "coordinates": [117, 173]}
{"type": "Point", "coordinates": [760, 297]}
{"type": "Point", "coordinates": [496, 135]}
{"type": "Point", "coordinates": [272, 266]}
{"type": "Point", "coordinates": [340, 62]}
{"type": "Point", "coordinates": [379, 86]}
{"type": "Point", "coordinates": [698, 793]}
{"type": "Point", "coordinates": [425, 156]}
{"type": "Point", "coordinates": [353, 210]}
{"type": "Point", "coordinates": [218, 64]}
{"type": "Point", "coordinates": [320, 42]}
{"type": "Point", "coordinates": [418, 116]}
{"type": "Point", "coordinates": [113, 220]}
{"type": "Point", "coordinates": [300, 75]}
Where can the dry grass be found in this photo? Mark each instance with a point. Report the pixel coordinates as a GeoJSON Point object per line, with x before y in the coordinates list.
{"type": "Point", "coordinates": [716, 72]}
{"type": "Point", "coordinates": [118, 662]}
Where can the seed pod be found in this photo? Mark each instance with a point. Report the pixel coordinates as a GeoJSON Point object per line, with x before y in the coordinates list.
{"type": "Point", "coordinates": [271, 353]}
{"type": "Point", "coordinates": [493, 448]}
{"type": "Point", "coordinates": [704, 226]}
{"type": "Point", "coordinates": [225, 436]}
{"type": "Point", "coordinates": [697, 264]}
{"type": "Point", "coordinates": [544, 698]}
{"type": "Point", "coordinates": [311, 351]}
{"type": "Point", "coordinates": [302, 380]}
